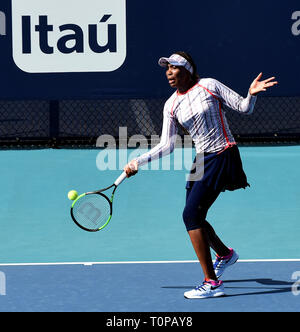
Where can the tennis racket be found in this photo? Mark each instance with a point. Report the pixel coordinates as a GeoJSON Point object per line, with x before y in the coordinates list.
{"type": "Point", "coordinates": [92, 211]}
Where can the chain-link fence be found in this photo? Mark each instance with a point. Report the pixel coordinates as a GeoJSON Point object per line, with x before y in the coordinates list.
{"type": "Point", "coordinates": [76, 123]}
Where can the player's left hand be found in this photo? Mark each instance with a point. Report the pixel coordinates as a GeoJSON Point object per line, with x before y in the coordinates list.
{"type": "Point", "coordinates": [259, 86]}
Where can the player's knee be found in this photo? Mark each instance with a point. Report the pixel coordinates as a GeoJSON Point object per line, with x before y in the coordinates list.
{"type": "Point", "coordinates": [186, 215]}
{"type": "Point", "coordinates": [192, 218]}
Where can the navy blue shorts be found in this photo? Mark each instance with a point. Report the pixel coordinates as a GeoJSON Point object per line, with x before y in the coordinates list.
{"type": "Point", "coordinates": [214, 173]}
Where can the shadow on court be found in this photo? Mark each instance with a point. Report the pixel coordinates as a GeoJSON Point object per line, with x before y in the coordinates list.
{"type": "Point", "coordinates": [260, 290]}
{"type": "Point", "coordinates": [250, 284]}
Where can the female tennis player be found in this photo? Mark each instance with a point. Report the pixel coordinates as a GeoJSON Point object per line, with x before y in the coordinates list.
{"type": "Point", "coordinates": [196, 105]}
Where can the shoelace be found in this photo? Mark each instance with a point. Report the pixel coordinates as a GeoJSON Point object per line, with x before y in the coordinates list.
{"type": "Point", "coordinates": [220, 262]}
{"type": "Point", "coordinates": [202, 287]}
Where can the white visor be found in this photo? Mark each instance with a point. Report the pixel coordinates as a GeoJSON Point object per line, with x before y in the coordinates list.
{"type": "Point", "coordinates": [176, 60]}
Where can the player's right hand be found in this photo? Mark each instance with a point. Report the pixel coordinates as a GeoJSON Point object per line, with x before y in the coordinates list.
{"type": "Point", "coordinates": [131, 168]}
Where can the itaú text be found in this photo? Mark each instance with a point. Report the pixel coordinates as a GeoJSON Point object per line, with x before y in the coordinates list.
{"type": "Point", "coordinates": [70, 37]}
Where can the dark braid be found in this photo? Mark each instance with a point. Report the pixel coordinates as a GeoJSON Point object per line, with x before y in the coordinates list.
{"type": "Point", "coordinates": [187, 56]}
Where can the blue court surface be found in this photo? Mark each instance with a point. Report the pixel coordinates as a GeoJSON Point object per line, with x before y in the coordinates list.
{"type": "Point", "coordinates": [143, 261]}
{"type": "Point", "coordinates": [147, 287]}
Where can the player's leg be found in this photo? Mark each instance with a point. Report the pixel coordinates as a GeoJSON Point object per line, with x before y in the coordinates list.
{"type": "Point", "coordinates": [201, 246]}
{"type": "Point", "coordinates": [198, 200]}
{"type": "Point", "coordinates": [225, 256]}
{"type": "Point", "coordinates": [214, 241]}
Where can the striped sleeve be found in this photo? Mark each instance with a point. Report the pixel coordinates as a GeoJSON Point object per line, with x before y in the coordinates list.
{"type": "Point", "coordinates": [167, 140]}
{"type": "Point", "coordinates": [233, 100]}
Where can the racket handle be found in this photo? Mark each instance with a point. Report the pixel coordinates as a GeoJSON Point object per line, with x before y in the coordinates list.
{"type": "Point", "coordinates": [120, 179]}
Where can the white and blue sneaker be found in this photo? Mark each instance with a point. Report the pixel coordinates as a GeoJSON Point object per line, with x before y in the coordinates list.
{"type": "Point", "coordinates": [209, 288]}
{"type": "Point", "coordinates": [222, 262]}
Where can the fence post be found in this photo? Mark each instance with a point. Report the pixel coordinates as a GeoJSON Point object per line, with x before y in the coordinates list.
{"type": "Point", "coordinates": [54, 122]}
{"type": "Point", "coordinates": [2, 24]}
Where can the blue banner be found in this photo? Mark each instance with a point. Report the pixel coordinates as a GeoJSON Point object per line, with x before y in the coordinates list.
{"type": "Point", "coordinates": [96, 49]}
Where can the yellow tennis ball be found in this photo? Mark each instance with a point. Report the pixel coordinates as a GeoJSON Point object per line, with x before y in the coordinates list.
{"type": "Point", "coordinates": [72, 195]}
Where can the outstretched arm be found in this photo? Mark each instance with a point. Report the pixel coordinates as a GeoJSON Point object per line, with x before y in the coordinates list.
{"type": "Point", "coordinates": [166, 146]}
{"type": "Point", "coordinates": [233, 100]}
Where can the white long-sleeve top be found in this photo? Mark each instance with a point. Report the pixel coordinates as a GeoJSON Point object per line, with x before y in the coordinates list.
{"type": "Point", "coordinates": [199, 111]}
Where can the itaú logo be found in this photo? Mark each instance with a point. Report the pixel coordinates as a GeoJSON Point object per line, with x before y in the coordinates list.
{"type": "Point", "coordinates": [69, 36]}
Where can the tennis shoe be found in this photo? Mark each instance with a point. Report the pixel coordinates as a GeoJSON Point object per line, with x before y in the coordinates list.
{"type": "Point", "coordinates": [223, 262]}
{"type": "Point", "coordinates": [209, 288]}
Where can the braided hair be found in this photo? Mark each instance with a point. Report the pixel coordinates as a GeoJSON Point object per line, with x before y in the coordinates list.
{"type": "Point", "coordinates": [187, 56]}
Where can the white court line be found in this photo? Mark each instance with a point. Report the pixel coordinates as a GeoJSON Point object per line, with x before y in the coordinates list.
{"type": "Point", "coordinates": [144, 262]}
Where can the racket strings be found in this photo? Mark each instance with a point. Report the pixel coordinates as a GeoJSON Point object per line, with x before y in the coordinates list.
{"type": "Point", "coordinates": [92, 211]}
